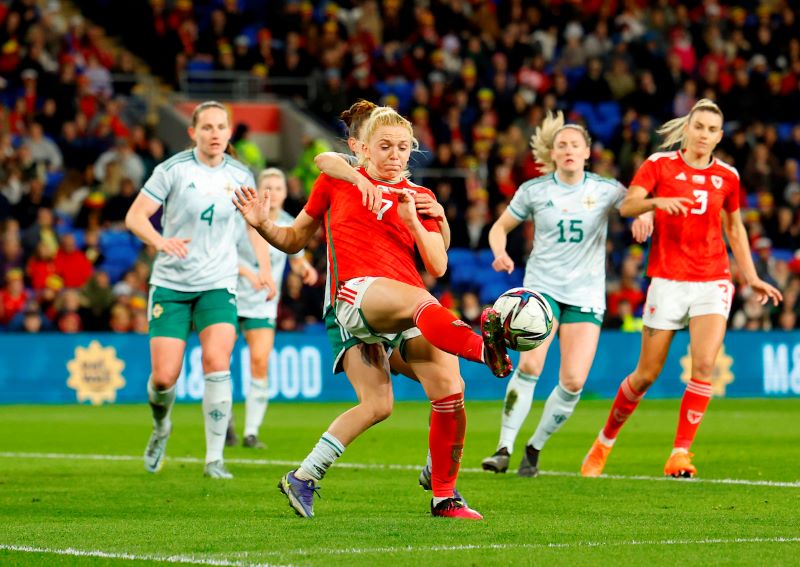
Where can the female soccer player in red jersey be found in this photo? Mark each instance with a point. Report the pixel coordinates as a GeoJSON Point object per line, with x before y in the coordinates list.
{"type": "Point", "coordinates": [376, 293]}
{"type": "Point", "coordinates": [413, 346]}
{"type": "Point", "coordinates": [694, 196]}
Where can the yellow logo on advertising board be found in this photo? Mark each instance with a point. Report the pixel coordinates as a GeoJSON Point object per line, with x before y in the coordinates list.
{"type": "Point", "coordinates": [96, 373]}
{"type": "Point", "coordinates": [720, 377]}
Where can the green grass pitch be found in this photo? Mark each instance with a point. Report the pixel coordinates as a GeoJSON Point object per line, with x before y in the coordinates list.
{"type": "Point", "coordinates": [65, 501]}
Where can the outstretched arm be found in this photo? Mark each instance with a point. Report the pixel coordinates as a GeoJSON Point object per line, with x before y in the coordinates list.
{"type": "Point", "coordinates": [637, 202]}
{"type": "Point", "coordinates": [498, 238]}
{"type": "Point", "coordinates": [334, 165]}
{"type": "Point", "coordinates": [737, 238]}
{"type": "Point", "coordinates": [289, 239]}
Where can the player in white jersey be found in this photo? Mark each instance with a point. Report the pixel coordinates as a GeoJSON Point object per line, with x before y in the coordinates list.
{"type": "Point", "coordinates": [193, 283]}
{"type": "Point", "coordinates": [258, 308]}
{"type": "Point", "coordinates": [569, 209]}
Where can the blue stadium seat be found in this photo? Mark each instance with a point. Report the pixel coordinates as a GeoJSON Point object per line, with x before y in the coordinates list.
{"type": "Point", "coordinates": [783, 254]}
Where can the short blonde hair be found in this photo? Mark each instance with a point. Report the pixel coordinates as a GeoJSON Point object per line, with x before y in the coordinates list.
{"type": "Point", "coordinates": [270, 172]}
{"type": "Point", "coordinates": [674, 131]}
{"type": "Point", "coordinates": [544, 138]}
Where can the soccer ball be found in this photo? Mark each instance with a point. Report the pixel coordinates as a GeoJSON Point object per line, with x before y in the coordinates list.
{"type": "Point", "coordinates": [527, 318]}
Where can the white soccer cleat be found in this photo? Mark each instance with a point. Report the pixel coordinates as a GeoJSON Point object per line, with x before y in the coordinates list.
{"type": "Point", "coordinates": [216, 469]}
{"type": "Point", "coordinates": [155, 451]}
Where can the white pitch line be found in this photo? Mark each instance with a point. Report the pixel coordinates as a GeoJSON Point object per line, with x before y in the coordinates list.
{"type": "Point", "coordinates": [395, 467]}
{"type": "Point", "coordinates": [316, 552]}
{"type": "Point", "coordinates": [182, 559]}
{"type": "Point", "coordinates": [554, 545]}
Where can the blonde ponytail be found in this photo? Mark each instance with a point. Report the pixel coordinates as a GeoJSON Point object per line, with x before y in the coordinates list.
{"type": "Point", "coordinates": [674, 131]}
{"type": "Point", "coordinates": [544, 138]}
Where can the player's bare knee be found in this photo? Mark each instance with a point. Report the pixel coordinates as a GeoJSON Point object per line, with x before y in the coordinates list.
{"type": "Point", "coordinates": [572, 382]}
{"type": "Point", "coordinates": [215, 362]}
{"type": "Point", "coordinates": [380, 409]}
{"type": "Point", "coordinates": [258, 365]}
{"type": "Point", "coordinates": [702, 369]}
{"type": "Point", "coordinates": [164, 379]}
{"type": "Point", "coordinates": [532, 368]}
{"type": "Point", "coordinates": [642, 378]}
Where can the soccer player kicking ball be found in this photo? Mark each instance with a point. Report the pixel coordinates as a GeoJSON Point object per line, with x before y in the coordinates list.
{"type": "Point", "coordinates": [373, 300]}
{"type": "Point", "coordinates": [694, 196]}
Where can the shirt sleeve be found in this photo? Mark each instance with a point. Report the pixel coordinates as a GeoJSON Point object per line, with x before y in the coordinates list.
{"type": "Point", "coordinates": [620, 191]}
{"type": "Point", "coordinates": [158, 186]}
{"type": "Point", "coordinates": [731, 203]}
{"type": "Point", "coordinates": [351, 160]}
{"type": "Point", "coordinates": [320, 199]}
{"type": "Point", "coordinates": [521, 206]}
{"type": "Point", "coordinates": [647, 176]}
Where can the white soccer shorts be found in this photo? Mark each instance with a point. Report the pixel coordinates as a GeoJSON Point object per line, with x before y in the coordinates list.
{"type": "Point", "coordinates": [670, 304]}
{"type": "Point", "coordinates": [350, 318]}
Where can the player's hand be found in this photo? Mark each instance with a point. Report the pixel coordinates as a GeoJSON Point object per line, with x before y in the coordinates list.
{"type": "Point", "coordinates": [673, 205]}
{"type": "Point", "coordinates": [503, 263]}
{"type": "Point", "coordinates": [309, 275]}
{"type": "Point", "coordinates": [642, 227]}
{"type": "Point", "coordinates": [370, 195]}
{"type": "Point", "coordinates": [427, 205]}
{"type": "Point", "coordinates": [266, 282]}
{"type": "Point", "coordinates": [254, 209]}
{"type": "Point", "coordinates": [174, 246]}
{"type": "Point", "coordinates": [406, 209]}
{"type": "Point", "coordinates": [766, 292]}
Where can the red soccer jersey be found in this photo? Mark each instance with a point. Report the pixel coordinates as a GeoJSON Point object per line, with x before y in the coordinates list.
{"type": "Point", "coordinates": [361, 243]}
{"type": "Point", "coordinates": [689, 248]}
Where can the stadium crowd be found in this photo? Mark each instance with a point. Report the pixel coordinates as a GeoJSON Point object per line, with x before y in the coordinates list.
{"type": "Point", "coordinates": [474, 77]}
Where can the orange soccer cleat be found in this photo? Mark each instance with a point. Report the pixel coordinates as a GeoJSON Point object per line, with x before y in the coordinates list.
{"type": "Point", "coordinates": [595, 460]}
{"type": "Point", "coordinates": [679, 465]}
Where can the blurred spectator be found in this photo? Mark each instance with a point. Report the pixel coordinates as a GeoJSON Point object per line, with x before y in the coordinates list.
{"type": "Point", "coordinates": [43, 150]}
{"type": "Point", "coordinates": [41, 265]}
{"type": "Point", "coordinates": [130, 163]}
{"type": "Point", "coordinates": [98, 298]}
{"type": "Point", "coordinates": [13, 296]}
{"type": "Point", "coordinates": [117, 206]}
{"type": "Point", "coordinates": [120, 321]}
{"type": "Point", "coordinates": [306, 170]}
{"type": "Point", "coordinates": [247, 150]}
{"type": "Point", "coordinates": [71, 263]}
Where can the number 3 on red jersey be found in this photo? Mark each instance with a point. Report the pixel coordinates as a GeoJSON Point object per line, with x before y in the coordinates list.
{"type": "Point", "coordinates": [701, 198]}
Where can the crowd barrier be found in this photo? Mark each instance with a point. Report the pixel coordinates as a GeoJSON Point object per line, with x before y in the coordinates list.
{"type": "Point", "coordinates": [111, 368]}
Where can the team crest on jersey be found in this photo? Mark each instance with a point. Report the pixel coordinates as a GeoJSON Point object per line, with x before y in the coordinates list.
{"type": "Point", "coordinates": [229, 189]}
{"type": "Point", "coordinates": [699, 179]}
{"type": "Point", "coordinates": [588, 202]}
{"type": "Point", "coordinates": [716, 181]}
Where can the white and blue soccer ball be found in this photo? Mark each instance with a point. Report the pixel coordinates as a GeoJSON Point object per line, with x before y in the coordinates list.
{"type": "Point", "coordinates": [527, 318]}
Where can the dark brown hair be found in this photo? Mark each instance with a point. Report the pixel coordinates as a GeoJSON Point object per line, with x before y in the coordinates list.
{"type": "Point", "coordinates": [355, 116]}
